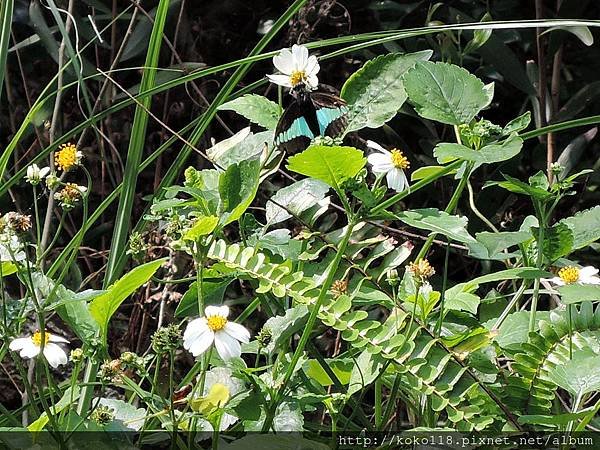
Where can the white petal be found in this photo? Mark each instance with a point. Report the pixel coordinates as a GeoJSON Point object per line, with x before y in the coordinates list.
{"type": "Point", "coordinates": [284, 61]}
{"type": "Point", "coordinates": [200, 345]}
{"type": "Point", "coordinates": [375, 146]}
{"type": "Point", "coordinates": [312, 66]}
{"type": "Point", "coordinates": [557, 280]}
{"type": "Point", "coordinates": [212, 310]}
{"type": "Point", "coordinates": [237, 331]}
{"type": "Point", "coordinates": [380, 160]}
{"type": "Point", "coordinates": [589, 279]}
{"type": "Point", "coordinates": [29, 350]}
{"type": "Point", "coordinates": [44, 171]}
{"type": "Point", "coordinates": [396, 180]}
{"type": "Point", "coordinates": [300, 54]}
{"type": "Point", "coordinates": [19, 343]}
{"type": "Point", "coordinates": [312, 82]}
{"type": "Point", "coordinates": [54, 355]}
{"type": "Point", "coordinates": [222, 311]}
{"type": "Point", "coordinates": [227, 346]}
{"type": "Point", "coordinates": [281, 80]}
{"type": "Point", "coordinates": [55, 338]}
{"type": "Point", "coordinates": [587, 271]}
{"type": "Point", "coordinates": [195, 328]}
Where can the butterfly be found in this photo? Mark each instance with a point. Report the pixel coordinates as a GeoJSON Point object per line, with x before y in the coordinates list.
{"type": "Point", "coordinates": [310, 114]}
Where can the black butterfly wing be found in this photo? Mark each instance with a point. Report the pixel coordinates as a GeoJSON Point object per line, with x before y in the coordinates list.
{"type": "Point", "coordinates": [296, 127]}
{"type": "Point", "coordinates": [331, 113]}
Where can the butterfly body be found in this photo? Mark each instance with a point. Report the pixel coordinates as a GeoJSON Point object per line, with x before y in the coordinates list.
{"type": "Point", "coordinates": [310, 114]}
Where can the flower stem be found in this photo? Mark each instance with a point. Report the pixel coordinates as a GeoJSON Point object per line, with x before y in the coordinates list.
{"type": "Point", "coordinates": [310, 324]}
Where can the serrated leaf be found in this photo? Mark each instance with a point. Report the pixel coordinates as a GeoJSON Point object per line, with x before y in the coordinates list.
{"type": "Point", "coordinates": [558, 241]}
{"type": "Point", "coordinates": [256, 108]}
{"type": "Point", "coordinates": [446, 152]}
{"type": "Point", "coordinates": [332, 165]}
{"type": "Point", "coordinates": [374, 93]}
{"type": "Point", "coordinates": [445, 92]}
{"type": "Point", "coordinates": [296, 199]}
{"type": "Point", "coordinates": [437, 221]}
{"type": "Point", "coordinates": [585, 226]}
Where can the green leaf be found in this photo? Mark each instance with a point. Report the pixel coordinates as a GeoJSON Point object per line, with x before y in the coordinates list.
{"type": "Point", "coordinates": [375, 93]}
{"type": "Point", "coordinates": [445, 92]}
{"type": "Point", "coordinates": [284, 327]}
{"type": "Point", "coordinates": [463, 301]}
{"type": "Point", "coordinates": [558, 241]}
{"type": "Point", "coordinates": [577, 293]}
{"type": "Point", "coordinates": [256, 108]}
{"type": "Point", "coordinates": [558, 419]}
{"type": "Point", "coordinates": [342, 368]}
{"type": "Point", "coordinates": [74, 311]}
{"type": "Point", "coordinates": [104, 306]}
{"type": "Point", "coordinates": [241, 146]}
{"type": "Point", "coordinates": [366, 369]}
{"type": "Point", "coordinates": [213, 292]}
{"type": "Point", "coordinates": [7, 268]}
{"type": "Point", "coordinates": [428, 171]}
{"type": "Point", "coordinates": [296, 199]}
{"type": "Point", "coordinates": [446, 152]}
{"type": "Point", "coordinates": [579, 376]}
{"type": "Point", "coordinates": [585, 226]}
{"type": "Point", "coordinates": [437, 221]}
{"type": "Point", "coordinates": [515, 328]}
{"type": "Point", "coordinates": [332, 165]}
{"type": "Point", "coordinates": [494, 243]}
{"type": "Point", "coordinates": [68, 397]}
{"type": "Point", "coordinates": [518, 187]}
{"type": "Point", "coordinates": [202, 227]}
{"type": "Point", "coordinates": [126, 416]}
{"type": "Point", "coordinates": [237, 188]}
{"type": "Point", "coordinates": [517, 124]}
{"type": "Point", "coordinates": [480, 37]}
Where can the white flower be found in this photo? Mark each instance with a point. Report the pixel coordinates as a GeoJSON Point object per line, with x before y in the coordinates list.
{"type": "Point", "coordinates": [11, 248]}
{"type": "Point", "coordinates": [30, 347]}
{"type": "Point", "coordinates": [572, 275]}
{"type": "Point", "coordinates": [214, 327]}
{"type": "Point", "coordinates": [296, 67]}
{"type": "Point", "coordinates": [392, 164]}
{"type": "Point", "coordinates": [35, 174]}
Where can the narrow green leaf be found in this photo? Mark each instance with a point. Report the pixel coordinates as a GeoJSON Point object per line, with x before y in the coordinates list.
{"type": "Point", "coordinates": [103, 307]}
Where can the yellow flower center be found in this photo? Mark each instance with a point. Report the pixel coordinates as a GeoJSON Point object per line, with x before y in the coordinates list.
{"type": "Point", "coordinates": [399, 160]}
{"type": "Point", "coordinates": [66, 157]}
{"type": "Point", "coordinates": [569, 274]}
{"type": "Point", "coordinates": [216, 323]}
{"type": "Point", "coordinates": [297, 76]}
{"type": "Point", "coordinates": [37, 338]}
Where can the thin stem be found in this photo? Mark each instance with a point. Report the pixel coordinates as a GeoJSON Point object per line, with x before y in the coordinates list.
{"type": "Point", "coordinates": [310, 324]}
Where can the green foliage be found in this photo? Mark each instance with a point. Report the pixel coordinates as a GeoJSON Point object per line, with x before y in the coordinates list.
{"type": "Point", "coordinates": [332, 165]}
{"type": "Point", "coordinates": [237, 188]}
{"type": "Point", "coordinates": [105, 305]}
{"type": "Point", "coordinates": [446, 93]}
{"type": "Point", "coordinates": [256, 108]}
{"type": "Point", "coordinates": [454, 227]}
{"type": "Point", "coordinates": [492, 153]}
{"type": "Point", "coordinates": [375, 92]}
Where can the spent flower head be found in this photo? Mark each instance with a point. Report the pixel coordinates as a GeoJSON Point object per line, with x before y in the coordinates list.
{"type": "Point", "coordinates": [17, 222]}
{"type": "Point", "coordinates": [35, 175]}
{"type": "Point", "coordinates": [339, 288]}
{"type": "Point", "coordinates": [111, 371]}
{"type": "Point", "coordinates": [421, 270]}
{"type": "Point", "coordinates": [296, 67]}
{"type": "Point", "coordinates": [67, 157]}
{"type": "Point", "coordinates": [70, 195]}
